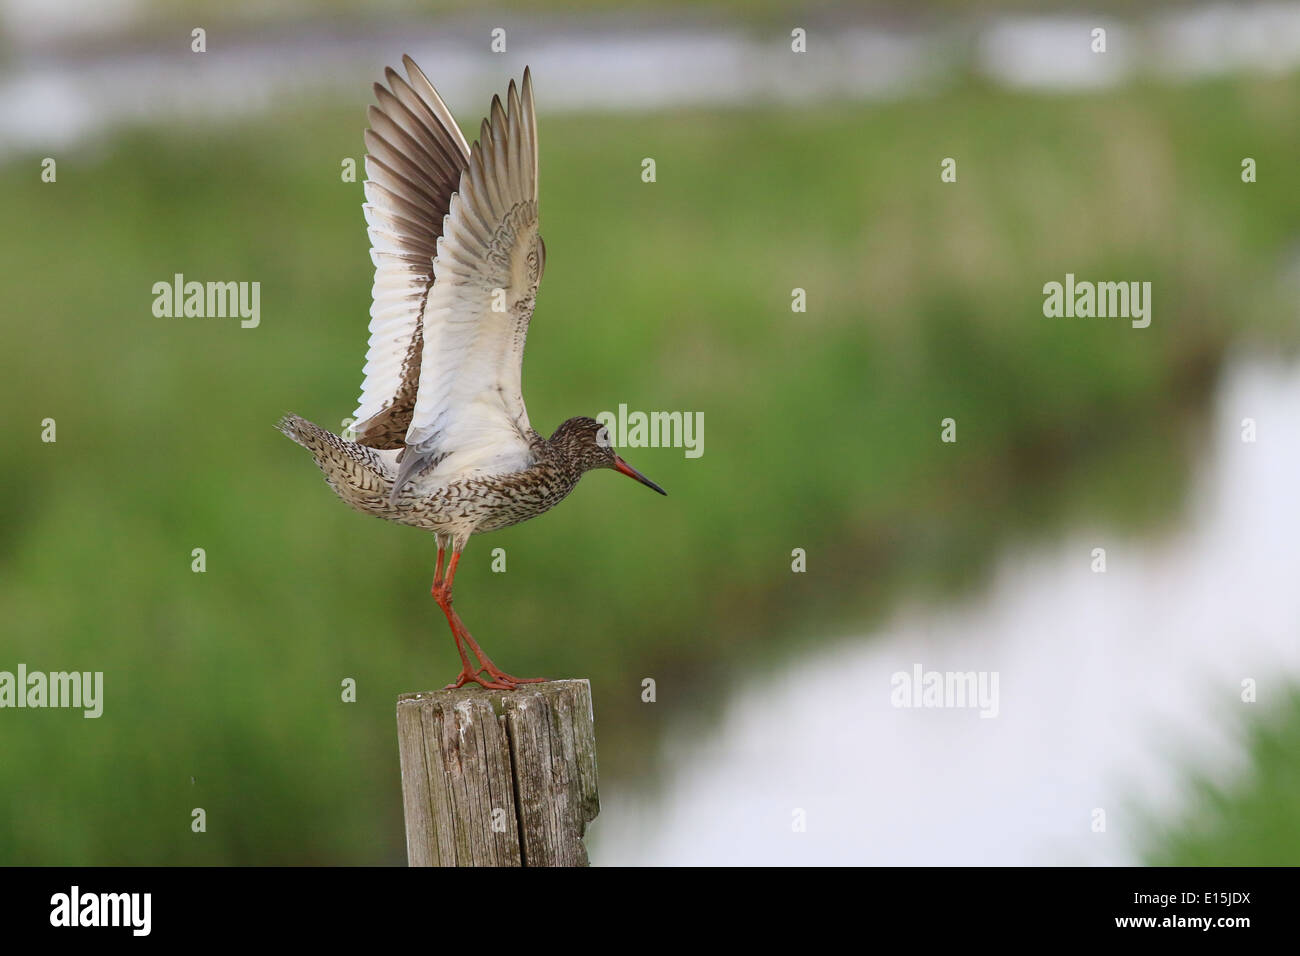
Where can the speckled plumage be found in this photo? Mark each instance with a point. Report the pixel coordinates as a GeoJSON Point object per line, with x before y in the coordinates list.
{"type": "Point", "coordinates": [470, 504]}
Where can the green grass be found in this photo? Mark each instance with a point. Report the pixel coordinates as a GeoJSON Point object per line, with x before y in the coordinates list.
{"type": "Point", "coordinates": [822, 429]}
{"type": "Point", "coordinates": [1252, 822]}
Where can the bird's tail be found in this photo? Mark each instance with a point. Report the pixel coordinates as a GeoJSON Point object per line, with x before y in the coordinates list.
{"type": "Point", "coordinates": [355, 472]}
{"type": "Point", "coordinates": [300, 430]}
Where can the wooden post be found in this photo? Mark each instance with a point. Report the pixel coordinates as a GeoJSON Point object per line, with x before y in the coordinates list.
{"type": "Point", "coordinates": [498, 778]}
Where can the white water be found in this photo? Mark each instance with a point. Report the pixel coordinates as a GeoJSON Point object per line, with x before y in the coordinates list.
{"type": "Point", "coordinates": [1112, 687]}
{"type": "Point", "coordinates": [614, 61]}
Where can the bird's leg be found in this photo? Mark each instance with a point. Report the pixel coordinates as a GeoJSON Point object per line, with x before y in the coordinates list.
{"type": "Point", "coordinates": [441, 592]}
{"type": "Point", "coordinates": [504, 681]}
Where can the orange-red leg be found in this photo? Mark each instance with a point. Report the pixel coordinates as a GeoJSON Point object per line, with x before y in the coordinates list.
{"type": "Point", "coordinates": [442, 594]}
{"type": "Point", "coordinates": [444, 602]}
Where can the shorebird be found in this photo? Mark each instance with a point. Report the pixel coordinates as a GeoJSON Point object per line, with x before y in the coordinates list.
{"type": "Point", "coordinates": [443, 440]}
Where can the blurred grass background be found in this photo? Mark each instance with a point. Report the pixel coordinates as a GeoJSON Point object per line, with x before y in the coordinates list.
{"type": "Point", "coordinates": [223, 688]}
{"type": "Point", "coordinates": [1252, 822]}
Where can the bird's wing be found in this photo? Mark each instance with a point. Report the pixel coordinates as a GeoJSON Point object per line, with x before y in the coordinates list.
{"type": "Point", "coordinates": [469, 409]}
{"type": "Point", "coordinates": [415, 157]}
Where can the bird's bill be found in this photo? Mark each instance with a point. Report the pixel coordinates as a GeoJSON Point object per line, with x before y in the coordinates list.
{"type": "Point", "coordinates": [624, 468]}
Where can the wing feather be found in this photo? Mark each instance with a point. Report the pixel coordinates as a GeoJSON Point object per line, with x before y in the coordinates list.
{"type": "Point", "coordinates": [416, 155]}
{"type": "Point", "coordinates": [469, 411]}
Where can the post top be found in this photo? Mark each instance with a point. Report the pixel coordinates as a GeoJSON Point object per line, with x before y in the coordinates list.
{"type": "Point", "coordinates": [548, 688]}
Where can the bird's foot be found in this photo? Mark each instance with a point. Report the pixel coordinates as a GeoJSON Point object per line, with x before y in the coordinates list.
{"type": "Point", "coordinates": [485, 663]}
{"type": "Point", "coordinates": [466, 677]}
{"type": "Point", "coordinates": [498, 674]}
{"type": "Point", "coordinates": [497, 679]}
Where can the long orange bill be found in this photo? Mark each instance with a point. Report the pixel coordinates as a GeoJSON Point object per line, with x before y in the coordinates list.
{"type": "Point", "coordinates": [624, 468]}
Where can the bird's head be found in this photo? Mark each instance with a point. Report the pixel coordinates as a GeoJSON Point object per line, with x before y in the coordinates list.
{"type": "Point", "coordinates": [585, 442]}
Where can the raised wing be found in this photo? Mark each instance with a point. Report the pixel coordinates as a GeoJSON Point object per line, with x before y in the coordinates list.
{"type": "Point", "coordinates": [415, 157]}
{"type": "Point", "coordinates": [469, 408]}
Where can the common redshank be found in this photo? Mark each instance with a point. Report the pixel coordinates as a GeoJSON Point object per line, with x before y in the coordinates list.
{"type": "Point", "coordinates": [443, 440]}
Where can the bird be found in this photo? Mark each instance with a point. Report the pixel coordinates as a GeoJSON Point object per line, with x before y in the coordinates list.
{"type": "Point", "coordinates": [441, 438]}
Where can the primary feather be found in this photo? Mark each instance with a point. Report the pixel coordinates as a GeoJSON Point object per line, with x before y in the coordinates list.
{"type": "Point", "coordinates": [415, 157]}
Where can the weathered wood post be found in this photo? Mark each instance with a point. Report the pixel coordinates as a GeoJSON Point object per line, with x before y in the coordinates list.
{"type": "Point", "coordinates": [498, 778]}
